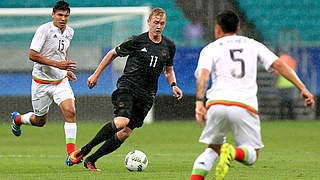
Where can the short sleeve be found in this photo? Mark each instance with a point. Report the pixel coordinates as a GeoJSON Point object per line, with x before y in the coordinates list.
{"type": "Point", "coordinates": [71, 32]}
{"type": "Point", "coordinates": [172, 52]}
{"type": "Point", "coordinates": [205, 60]}
{"type": "Point", "coordinates": [266, 57]}
{"type": "Point", "coordinates": [38, 39]}
{"type": "Point", "coordinates": [126, 48]}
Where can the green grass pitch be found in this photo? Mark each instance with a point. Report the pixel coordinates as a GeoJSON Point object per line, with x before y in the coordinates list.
{"type": "Point", "coordinates": [291, 152]}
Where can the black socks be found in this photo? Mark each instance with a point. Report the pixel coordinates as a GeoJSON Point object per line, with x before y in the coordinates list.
{"type": "Point", "coordinates": [109, 146]}
{"type": "Point", "coordinates": [106, 132]}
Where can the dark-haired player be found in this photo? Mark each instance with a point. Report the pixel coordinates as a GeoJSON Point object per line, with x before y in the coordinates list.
{"type": "Point", "coordinates": [51, 72]}
{"type": "Point", "coordinates": [231, 104]}
{"type": "Point", "coordinates": [148, 54]}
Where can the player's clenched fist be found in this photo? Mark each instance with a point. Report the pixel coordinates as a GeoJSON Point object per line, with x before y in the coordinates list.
{"type": "Point", "coordinates": [71, 76]}
{"type": "Point", "coordinates": [92, 81]}
{"type": "Point", "coordinates": [308, 98]}
{"type": "Point", "coordinates": [201, 112]}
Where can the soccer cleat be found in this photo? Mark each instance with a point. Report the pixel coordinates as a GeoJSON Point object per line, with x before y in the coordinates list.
{"type": "Point", "coordinates": [227, 155]}
{"type": "Point", "coordinates": [15, 127]}
{"type": "Point", "coordinates": [73, 159]}
{"type": "Point", "coordinates": [68, 162]}
{"type": "Point", "coordinates": [90, 165]}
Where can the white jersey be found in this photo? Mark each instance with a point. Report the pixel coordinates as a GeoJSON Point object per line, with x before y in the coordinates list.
{"type": "Point", "coordinates": [232, 62]}
{"type": "Point", "coordinates": [51, 43]}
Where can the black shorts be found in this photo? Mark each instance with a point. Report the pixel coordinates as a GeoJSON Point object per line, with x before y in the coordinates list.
{"type": "Point", "coordinates": [132, 107]}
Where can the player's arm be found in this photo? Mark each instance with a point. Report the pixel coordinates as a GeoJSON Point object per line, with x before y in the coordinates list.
{"type": "Point", "coordinates": [171, 79]}
{"type": "Point", "coordinates": [202, 84]}
{"type": "Point", "coordinates": [64, 65]}
{"type": "Point", "coordinates": [106, 61]}
{"type": "Point", "coordinates": [67, 55]}
{"type": "Point", "coordinates": [71, 76]}
{"type": "Point", "coordinates": [287, 72]}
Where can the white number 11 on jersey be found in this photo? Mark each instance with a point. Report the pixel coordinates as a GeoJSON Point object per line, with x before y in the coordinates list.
{"type": "Point", "coordinates": [153, 61]}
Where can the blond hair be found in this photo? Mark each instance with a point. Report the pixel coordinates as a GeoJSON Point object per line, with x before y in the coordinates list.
{"type": "Point", "coordinates": [157, 12]}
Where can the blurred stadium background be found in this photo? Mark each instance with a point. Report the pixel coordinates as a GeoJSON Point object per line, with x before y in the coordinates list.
{"type": "Point", "coordinates": [290, 26]}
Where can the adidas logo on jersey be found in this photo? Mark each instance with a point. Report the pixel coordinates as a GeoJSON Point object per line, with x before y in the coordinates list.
{"type": "Point", "coordinates": [144, 49]}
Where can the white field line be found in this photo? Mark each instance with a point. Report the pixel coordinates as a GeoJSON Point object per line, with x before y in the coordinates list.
{"type": "Point", "coordinates": [28, 156]}
{"type": "Point", "coordinates": [56, 156]}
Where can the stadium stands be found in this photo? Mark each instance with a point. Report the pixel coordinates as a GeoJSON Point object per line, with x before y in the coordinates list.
{"type": "Point", "coordinates": [272, 16]}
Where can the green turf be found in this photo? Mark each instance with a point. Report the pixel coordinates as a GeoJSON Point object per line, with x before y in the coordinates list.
{"type": "Point", "coordinates": [291, 152]}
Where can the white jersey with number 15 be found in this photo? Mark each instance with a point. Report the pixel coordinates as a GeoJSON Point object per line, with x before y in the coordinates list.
{"type": "Point", "coordinates": [52, 44]}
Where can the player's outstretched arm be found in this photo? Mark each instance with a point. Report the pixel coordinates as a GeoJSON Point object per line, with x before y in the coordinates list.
{"type": "Point", "coordinates": [171, 79]}
{"type": "Point", "coordinates": [287, 72]}
{"type": "Point", "coordinates": [64, 65]}
{"type": "Point", "coordinates": [107, 59]}
{"type": "Point", "coordinates": [202, 84]}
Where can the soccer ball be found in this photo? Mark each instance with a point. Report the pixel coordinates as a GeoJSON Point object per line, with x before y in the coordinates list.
{"type": "Point", "coordinates": [136, 161]}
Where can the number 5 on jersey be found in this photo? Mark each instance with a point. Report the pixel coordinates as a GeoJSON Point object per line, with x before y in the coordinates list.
{"type": "Point", "coordinates": [233, 58]}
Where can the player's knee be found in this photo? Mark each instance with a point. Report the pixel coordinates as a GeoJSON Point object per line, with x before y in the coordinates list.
{"type": "Point", "coordinates": [70, 114]}
{"type": "Point", "coordinates": [121, 122]}
{"type": "Point", "coordinates": [124, 134]}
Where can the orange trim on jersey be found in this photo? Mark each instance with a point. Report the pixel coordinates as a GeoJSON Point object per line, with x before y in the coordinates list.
{"type": "Point", "coordinates": [41, 81]}
{"type": "Point", "coordinates": [231, 103]}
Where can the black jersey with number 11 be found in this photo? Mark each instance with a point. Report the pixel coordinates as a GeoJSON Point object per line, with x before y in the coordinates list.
{"type": "Point", "coordinates": [145, 63]}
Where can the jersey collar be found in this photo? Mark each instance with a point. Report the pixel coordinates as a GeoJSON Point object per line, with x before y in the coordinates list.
{"type": "Point", "coordinates": [152, 41]}
{"type": "Point", "coordinates": [55, 28]}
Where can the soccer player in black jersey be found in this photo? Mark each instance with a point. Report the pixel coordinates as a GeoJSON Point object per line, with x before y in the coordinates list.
{"type": "Point", "coordinates": [148, 54]}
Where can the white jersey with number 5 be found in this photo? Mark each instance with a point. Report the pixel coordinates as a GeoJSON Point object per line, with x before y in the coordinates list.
{"type": "Point", "coordinates": [232, 62]}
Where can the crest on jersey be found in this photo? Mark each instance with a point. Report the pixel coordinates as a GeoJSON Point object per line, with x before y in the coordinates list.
{"type": "Point", "coordinates": [164, 52]}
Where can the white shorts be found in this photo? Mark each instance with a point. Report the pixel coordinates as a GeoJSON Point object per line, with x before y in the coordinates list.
{"type": "Point", "coordinates": [244, 125]}
{"type": "Point", "coordinates": [43, 94]}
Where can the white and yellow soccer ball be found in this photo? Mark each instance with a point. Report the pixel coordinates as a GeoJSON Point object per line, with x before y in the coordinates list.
{"type": "Point", "coordinates": [136, 161]}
